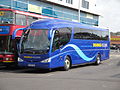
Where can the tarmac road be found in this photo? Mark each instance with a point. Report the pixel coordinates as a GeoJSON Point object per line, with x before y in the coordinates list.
{"type": "Point", "coordinates": [106, 76]}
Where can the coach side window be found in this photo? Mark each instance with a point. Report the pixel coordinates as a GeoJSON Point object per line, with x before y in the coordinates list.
{"type": "Point", "coordinates": [62, 36]}
{"type": "Point", "coordinates": [105, 35]}
{"type": "Point", "coordinates": [88, 34]}
{"type": "Point", "coordinates": [80, 33]}
{"type": "Point", "coordinates": [65, 35]}
{"type": "Point", "coordinates": [77, 33]}
{"type": "Point", "coordinates": [97, 35]}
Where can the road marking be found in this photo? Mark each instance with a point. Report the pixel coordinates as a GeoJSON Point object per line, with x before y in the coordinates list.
{"type": "Point", "coordinates": [50, 75]}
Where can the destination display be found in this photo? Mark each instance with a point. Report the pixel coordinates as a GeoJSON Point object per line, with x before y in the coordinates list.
{"type": "Point", "coordinates": [4, 29]}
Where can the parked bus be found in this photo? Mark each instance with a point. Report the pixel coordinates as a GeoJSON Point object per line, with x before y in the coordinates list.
{"type": "Point", "coordinates": [10, 20]}
{"type": "Point", "coordinates": [53, 43]}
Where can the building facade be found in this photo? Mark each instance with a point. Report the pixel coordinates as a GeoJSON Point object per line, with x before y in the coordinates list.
{"type": "Point", "coordinates": [115, 42]}
{"type": "Point", "coordinates": [74, 10]}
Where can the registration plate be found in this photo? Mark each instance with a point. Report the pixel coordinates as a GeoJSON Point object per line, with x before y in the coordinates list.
{"type": "Point", "coordinates": [31, 65]}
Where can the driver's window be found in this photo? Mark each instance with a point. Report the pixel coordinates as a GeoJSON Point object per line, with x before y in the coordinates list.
{"type": "Point", "coordinates": [56, 41]}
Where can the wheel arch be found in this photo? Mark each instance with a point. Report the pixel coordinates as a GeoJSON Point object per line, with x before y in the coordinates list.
{"type": "Point", "coordinates": [70, 59]}
{"type": "Point", "coordinates": [99, 55]}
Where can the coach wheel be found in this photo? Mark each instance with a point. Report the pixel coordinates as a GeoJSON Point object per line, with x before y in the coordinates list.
{"type": "Point", "coordinates": [98, 59]}
{"type": "Point", "coordinates": [67, 64]}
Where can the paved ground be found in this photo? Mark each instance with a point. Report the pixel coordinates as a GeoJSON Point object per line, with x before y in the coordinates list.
{"type": "Point", "coordinates": [88, 77]}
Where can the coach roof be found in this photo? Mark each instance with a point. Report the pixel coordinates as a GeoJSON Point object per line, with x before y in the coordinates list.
{"type": "Point", "coordinates": [57, 23]}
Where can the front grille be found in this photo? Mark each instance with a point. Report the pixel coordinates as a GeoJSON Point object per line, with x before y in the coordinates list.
{"type": "Point", "coordinates": [32, 61]}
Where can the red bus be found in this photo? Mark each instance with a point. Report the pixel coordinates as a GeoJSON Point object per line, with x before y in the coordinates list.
{"type": "Point", "coordinates": [10, 20]}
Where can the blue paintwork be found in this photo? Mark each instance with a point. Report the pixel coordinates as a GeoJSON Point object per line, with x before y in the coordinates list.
{"type": "Point", "coordinates": [80, 51]}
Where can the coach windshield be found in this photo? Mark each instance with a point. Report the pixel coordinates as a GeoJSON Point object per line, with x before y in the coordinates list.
{"type": "Point", "coordinates": [35, 41]}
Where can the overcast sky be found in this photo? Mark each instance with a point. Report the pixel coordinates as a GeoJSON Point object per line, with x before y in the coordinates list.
{"type": "Point", "coordinates": [110, 11]}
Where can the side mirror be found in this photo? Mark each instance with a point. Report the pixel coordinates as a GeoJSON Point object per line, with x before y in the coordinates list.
{"type": "Point", "coordinates": [50, 33]}
{"type": "Point", "coordinates": [14, 35]}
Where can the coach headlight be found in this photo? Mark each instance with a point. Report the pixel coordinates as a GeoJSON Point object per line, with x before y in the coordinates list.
{"type": "Point", "coordinates": [46, 60]}
{"type": "Point", "coordinates": [20, 60]}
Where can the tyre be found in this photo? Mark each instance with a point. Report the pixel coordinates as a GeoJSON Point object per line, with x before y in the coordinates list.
{"type": "Point", "coordinates": [98, 60]}
{"type": "Point", "coordinates": [67, 64]}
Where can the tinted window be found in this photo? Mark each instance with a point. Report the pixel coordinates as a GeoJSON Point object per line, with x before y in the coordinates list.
{"type": "Point", "coordinates": [80, 33]}
{"type": "Point", "coordinates": [65, 35]}
{"type": "Point", "coordinates": [62, 36]}
{"type": "Point", "coordinates": [20, 19]}
{"type": "Point", "coordinates": [96, 35]}
{"type": "Point", "coordinates": [105, 35]}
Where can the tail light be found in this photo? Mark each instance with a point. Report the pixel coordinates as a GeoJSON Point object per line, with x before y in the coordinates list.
{"type": "Point", "coordinates": [1, 58]}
